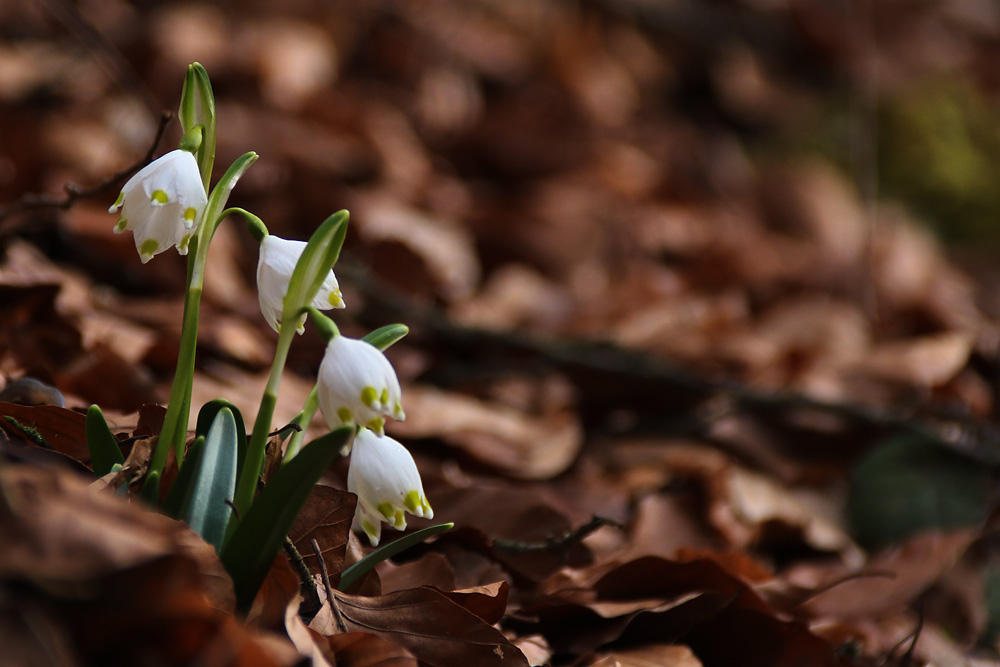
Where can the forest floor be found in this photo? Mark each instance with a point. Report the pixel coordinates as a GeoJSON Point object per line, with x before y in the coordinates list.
{"type": "Point", "coordinates": [689, 367]}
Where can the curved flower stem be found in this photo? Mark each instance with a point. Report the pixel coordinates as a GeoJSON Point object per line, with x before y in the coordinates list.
{"type": "Point", "coordinates": [174, 432]}
{"type": "Point", "coordinates": [255, 225]}
{"type": "Point", "coordinates": [303, 420]}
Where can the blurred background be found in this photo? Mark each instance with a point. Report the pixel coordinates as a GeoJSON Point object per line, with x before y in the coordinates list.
{"type": "Point", "coordinates": [764, 229]}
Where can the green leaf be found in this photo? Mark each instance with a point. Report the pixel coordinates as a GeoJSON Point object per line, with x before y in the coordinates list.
{"type": "Point", "coordinates": [248, 555]}
{"type": "Point", "coordinates": [207, 415]}
{"type": "Point", "coordinates": [915, 483]}
{"type": "Point", "coordinates": [386, 336]}
{"type": "Point", "coordinates": [103, 446]}
{"type": "Point", "coordinates": [356, 571]}
{"type": "Point", "coordinates": [179, 495]}
{"type": "Point", "coordinates": [150, 491]}
{"type": "Point", "coordinates": [208, 511]}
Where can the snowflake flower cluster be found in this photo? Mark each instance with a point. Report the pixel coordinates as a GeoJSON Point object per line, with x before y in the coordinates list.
{"type": "Point", "coordinates": [162, 205]}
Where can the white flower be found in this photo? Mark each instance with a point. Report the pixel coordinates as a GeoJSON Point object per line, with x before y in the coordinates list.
{"type": "Point", "coordinates": [274, 271]}
{"type": "Point", "coordinates": [387, 483]}
{"type": "Point", "coordinates": [357, 385]}
{"type": "Point", "coordinates": [162, 204]}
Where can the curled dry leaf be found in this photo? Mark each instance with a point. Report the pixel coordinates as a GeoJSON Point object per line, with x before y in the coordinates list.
{"type": "Point", "coordinates": [111, 583]}
{"type": "Point", "coordinates": [899, 575]}
{"type": "Point", "coordinates": [445, 248]}
{"type": "Point", "coordinates": [520, 445]}
{"type": "Point", "coordinates": [693, 603]}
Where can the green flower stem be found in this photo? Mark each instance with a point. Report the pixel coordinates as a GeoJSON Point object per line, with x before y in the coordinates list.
{"type": "Point", "coordinates": [303, 420]}
{"type": "Point", "coordinates": [175, 422]}
{"type": "Point", "coordinates": [255, 225]}
{"type": "Point", "coordinates": [247, 483]}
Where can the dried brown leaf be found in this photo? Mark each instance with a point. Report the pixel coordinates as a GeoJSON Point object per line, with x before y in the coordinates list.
{"type": "Point", "coordinates": [430, 626]}
{"type": "Point", "coordinates": [326, 517]}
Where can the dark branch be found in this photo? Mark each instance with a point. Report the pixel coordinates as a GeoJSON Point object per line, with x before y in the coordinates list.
{"type": "Point", "coordinates": [34, 201]}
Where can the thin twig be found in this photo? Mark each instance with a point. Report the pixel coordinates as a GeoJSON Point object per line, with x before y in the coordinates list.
{"type": "Point", "coordinates": [325, 574]}
{"type": "Point", "coordinates": [33, 201]}
{"type": "Point", "coordinates": [559, 544]}
{"type": "Point", "coordinates": [311, 603]}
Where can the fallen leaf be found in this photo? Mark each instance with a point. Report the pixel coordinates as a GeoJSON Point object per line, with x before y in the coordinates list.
{"type": "Point", "coordinates": [326, 517]}
{"type": "Point", "coordinates": [430, 626]}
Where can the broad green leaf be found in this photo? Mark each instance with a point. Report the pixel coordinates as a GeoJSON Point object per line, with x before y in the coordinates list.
{"type": "Point", "coordinates": [208, 511]}
{"type": "Point", "coordinates": [254, 544]}
{"type": "Point", "coordinates": [179, 495]}
{"type": "Point", "coordinates": [356, 571]}
{"type": "Point", "coordinates": [914, 483]}
{"type": "Point", "coordinates": [207, 415]}
{"type": "Point", "coordinates": [103, 446]}
{"type": "Point", "coordinates": [386, 336]}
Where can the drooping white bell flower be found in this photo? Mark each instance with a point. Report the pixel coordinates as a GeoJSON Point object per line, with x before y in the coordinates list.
{"type": "Point", "coordinates": [387, 483]}
{"type": "Point", "coordinates": [162, 204]}
{"type": "Point", "coordinates": [357, 385]}
{"type": "Point", "coordinates": [275, 265]}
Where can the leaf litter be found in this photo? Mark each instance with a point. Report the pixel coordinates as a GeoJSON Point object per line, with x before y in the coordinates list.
{"type": "Point", "coordinates": [676, 380]}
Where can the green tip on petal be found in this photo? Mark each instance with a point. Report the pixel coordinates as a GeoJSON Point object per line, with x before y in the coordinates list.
{"type": "Point", "coordinates": [118, 202]}
{"type": "Point", "coordinates": [190, 213]}
{"type": "Point", "coordinates": [121, 225]}
{"type": "Point", "coordinates": [399, 521]}
{"type": "Point", "coordinates": [370, 532]}
{"type": "Point", "coordinates": [345, 415]}
{"type": "Point", "coordinates": [149, 248]}
{"type": "Point", "coordinates": [386, 510]}
{"type": "Point", "coordinates": [183, 245]}
{"type": "Point", "coordinates": [336, 299]}
{"type": "Point", "coordinates": [377, 425]}
{"type": "Point", "coordinates": [369, 396]}
{"type": "Point", "coordinates": [412, 500]}
{"type": "Point", "coordinates": [159, 197]}
{"type": "Point", "coordinates": [384, 397]}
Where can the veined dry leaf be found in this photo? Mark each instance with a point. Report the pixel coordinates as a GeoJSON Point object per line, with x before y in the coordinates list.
{"type": "Point", "coordinates": [326, 517]}
{"type": "Point", "coordinates": [487, 602]}
{"type": "Point", "coordinates": [429, 625]}
{"type": "Point", "coordinates": [47, 426]}
{"type": "Point", "coordinates": [901, 573]}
